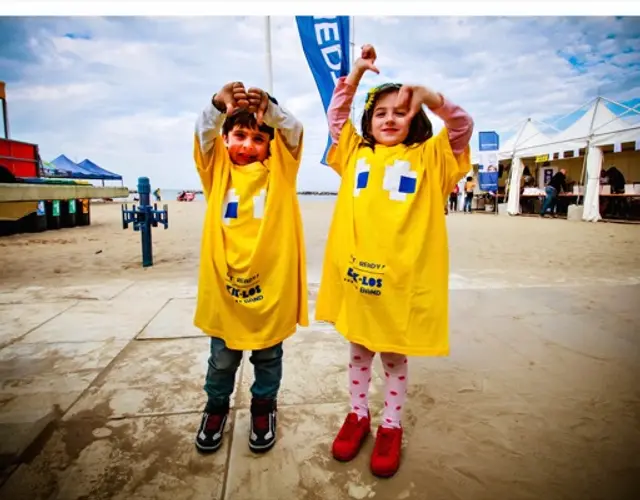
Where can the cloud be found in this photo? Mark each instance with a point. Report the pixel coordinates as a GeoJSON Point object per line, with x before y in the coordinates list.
{"type": "Point", "coordinates": [125, 91]}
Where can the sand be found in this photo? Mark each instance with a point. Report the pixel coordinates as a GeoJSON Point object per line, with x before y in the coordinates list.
{"type": "Point", "coordinates": [483, 246]}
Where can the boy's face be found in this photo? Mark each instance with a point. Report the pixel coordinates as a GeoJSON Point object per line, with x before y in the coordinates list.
{"type": "Point", "coordinates": [247, 145]}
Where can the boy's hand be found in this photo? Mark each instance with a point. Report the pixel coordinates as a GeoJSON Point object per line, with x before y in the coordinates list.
{"type": "Point", "coordinates": [258, 103]}
{"type": "Point", "coordinates": [367, 59]}
{"type": "Point", "coordinates": [412, 97]}
{"type": "Point", "coordinates": [232, 96]}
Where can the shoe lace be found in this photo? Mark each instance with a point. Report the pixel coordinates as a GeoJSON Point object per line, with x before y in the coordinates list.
{"type": "Point", "coordinates": [384, 442]}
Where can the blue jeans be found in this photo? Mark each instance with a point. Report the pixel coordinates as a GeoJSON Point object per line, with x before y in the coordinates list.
{"type": "Point", "coordinates": [550, 199]}
{"type": "Point", "coordinates": [223, 365]}
{"type": "Point", "coordinates": [468, 198]}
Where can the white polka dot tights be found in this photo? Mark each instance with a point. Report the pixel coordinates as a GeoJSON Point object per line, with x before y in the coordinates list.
{"type": "Point", "coordinates": [395, 370]}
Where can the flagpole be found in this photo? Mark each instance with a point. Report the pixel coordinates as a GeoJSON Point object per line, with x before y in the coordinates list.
{"type": "Point", "coordinates": [269, 61]}
{"type": "Point", "coordinates": [353, 60]}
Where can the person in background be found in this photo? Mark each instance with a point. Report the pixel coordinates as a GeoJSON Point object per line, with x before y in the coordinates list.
{"type": "Point", "coordinates": [453, 199]}
{"type": "Point", "coordinates": [527, 181]}
{"type": "Point", "coordinates": [527, 178]}
{"type": "Point", "coordinates": [469, 186]}
{"type": "Point", "coordinates": [616, 180]}
{"type": "Point", "coordinates": [557, 184]}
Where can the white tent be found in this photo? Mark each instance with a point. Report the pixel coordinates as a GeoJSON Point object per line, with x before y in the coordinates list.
{"type": "Point", "coordinates": [596, 128]}
{"type": "Point", "coordinates": [528, 136]}
{"type": "Point", "coordinates": [607, 129]}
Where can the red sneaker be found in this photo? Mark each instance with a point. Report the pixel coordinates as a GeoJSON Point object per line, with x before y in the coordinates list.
{"type": "Point", "coordinates": [385, 459]}
{"type": "Point", "coordinates": [352, 434]}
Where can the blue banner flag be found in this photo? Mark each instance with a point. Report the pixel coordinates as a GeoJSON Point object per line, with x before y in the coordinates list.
{"type": "Point", "coordinates": [488, 141]}
{"type": "Point", "coordinates": [488, 171]}
{"type": "Point", "coordinates": [325, 43]}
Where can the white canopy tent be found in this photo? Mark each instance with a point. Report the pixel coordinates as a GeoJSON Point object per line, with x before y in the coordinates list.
{"type": "Point", "coordinates": [528, 136]}
{"type": "Point", "coordinates": [598, 127]}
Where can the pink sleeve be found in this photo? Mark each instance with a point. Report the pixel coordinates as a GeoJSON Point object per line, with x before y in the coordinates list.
{"type": "Point", "coordinates": [458, 122]}
{"type": "Point", "coordinates": [340, 107]}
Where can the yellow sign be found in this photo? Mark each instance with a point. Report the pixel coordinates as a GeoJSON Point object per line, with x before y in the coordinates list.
{"type": "Point", "coordinates": [2, 94]}
{"type": "Point", "coordinates": [542, 158]}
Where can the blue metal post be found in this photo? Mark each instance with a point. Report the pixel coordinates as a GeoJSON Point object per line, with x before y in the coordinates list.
{"type": "Point", "coordinates": [144, 217]}
{"type": "Point", "coordinates": [144, 189]}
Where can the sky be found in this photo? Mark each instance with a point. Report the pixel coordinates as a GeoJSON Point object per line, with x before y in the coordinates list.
{"type": "Point", "coordinates": [125, 91]}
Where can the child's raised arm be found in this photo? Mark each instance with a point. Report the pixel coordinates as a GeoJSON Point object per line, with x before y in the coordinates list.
{"type": "Point", "coordinates": [208, 125]}
{"type": "Point", "coordinates": [459, 127]}
{"type": "Point", "coordinates": [457, 121]}
{"type": "Point", "coordinates": [345, 91]}
{"type": "Point", "coordinates": [277, 117]}
{"type": "Point", "coordinates": [230, 97]}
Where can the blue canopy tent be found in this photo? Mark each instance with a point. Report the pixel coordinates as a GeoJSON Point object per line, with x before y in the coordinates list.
{"type": "Point", "coordinates": [70, 169]}
{"type": "Point", "coordinates": [99, 171]}
{"type": "Point", "coordinates": [64, 167]}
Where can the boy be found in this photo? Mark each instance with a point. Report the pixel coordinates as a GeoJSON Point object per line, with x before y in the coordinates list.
{"type": "Point", "coordinates": [252, 283]}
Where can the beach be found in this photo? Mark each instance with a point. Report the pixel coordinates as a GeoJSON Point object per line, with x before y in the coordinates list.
{"type": "Point", "coordinates": [101, 371]}
{"type": "Point", "coordinates": [496, 249]}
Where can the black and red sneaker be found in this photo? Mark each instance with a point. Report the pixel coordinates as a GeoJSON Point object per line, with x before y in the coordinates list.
{"type": "Point", "coordinates": [263, 425]}
{"type": "Point", "coordinates": [211, 430]}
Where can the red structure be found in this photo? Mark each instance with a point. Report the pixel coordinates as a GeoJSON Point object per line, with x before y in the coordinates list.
{"type": "Point", "coordinates": [17, 159]}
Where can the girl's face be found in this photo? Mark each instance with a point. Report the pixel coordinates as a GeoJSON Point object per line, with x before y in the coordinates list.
{"type": "Point", "coordinates": [389, 124]}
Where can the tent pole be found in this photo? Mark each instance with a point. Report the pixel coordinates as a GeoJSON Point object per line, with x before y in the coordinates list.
{"type": "Point", "coordinates": [513, 154]}
{"type": "Point", "coordinates": [576, 109]}
{"type": "Point", "coordinates": [634, 109]}
{"type": "Point", "coordinates": [616, 117]}
{"type": "Point", "coordinates": [586, 152]}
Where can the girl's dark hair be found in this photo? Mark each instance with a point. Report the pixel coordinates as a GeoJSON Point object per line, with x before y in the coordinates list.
{"type": "Point", "coordinates": [242, 118]}
{"type": "Point", "coordinates": [420, 129]}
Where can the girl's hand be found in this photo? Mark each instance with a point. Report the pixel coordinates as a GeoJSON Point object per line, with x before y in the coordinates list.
{"type": "Point", "coordinates": [258, 103]}
{"type": "Point", "coordinates": [231, 97]}
{"type": "Point", "coordinates": [412, 97]}
{"type": "Point", "coordinates": [367, 60]}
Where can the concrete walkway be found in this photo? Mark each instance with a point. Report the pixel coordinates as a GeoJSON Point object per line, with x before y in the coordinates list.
{"type": "Point", "coordinates": [101, 394]}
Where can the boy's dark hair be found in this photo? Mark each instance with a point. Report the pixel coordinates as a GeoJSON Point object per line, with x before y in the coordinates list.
{"type": "Point", "coordinates": [420, 129]}
{"type": "Point", "coordinates": [242, 118]}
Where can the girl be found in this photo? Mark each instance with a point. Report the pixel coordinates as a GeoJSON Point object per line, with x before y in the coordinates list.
{"type": "Point", "coordinates": [385, 275]}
